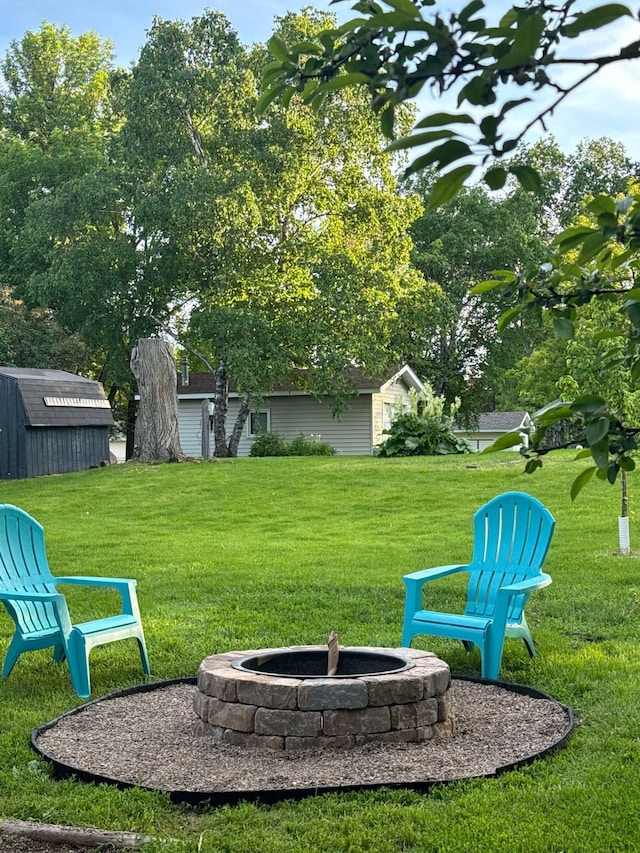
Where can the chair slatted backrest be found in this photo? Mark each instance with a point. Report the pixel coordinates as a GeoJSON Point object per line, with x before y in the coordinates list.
{"type": "Point", "coordinates": [24, 568]}
{"type": "Point", "coordinates": [512, 534]}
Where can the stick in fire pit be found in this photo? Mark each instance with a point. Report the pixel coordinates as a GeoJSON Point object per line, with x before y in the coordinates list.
{"type": "Point", "coordinates": [334, 654]}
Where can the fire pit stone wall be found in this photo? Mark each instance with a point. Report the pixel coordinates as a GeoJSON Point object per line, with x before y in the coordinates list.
{"type": "Point", "coordinates": [258, 710]}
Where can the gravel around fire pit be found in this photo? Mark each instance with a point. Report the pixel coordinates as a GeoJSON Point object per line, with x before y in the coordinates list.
{"type": "Point", "coordinates": [149, 738]}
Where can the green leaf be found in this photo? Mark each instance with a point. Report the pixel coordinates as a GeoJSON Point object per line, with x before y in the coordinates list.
{"type": "Point", "coordinates": [597, 430]}
{"type": "Point", "coordinates": [552, 412]}
{"type": "Point", "coordinates": [563, 328]}
{"type": "Point", "coordinates": [571, 237]}
{"type": "Point", "coordinates": [419, 139]}
{"type": "Point", "coordinates": [486, 286]}
{"type": "Point", "coordinates": [268, 97]}
{"type": "Point", "coordinates": [469, 10]}
{"type": "Point", "coordinates": [600, 453]}
{"type": "Point", "coordinates": [478, 92]}
{"type": "Point", "coordinates": [507, 317]}
{"type": "Point", "coordinates": [496, 178]}
{"type": "Point", "coordinates": [309, 47]}
{"type": "Point", "coordinates": [581, 481]}
{"type": "Point", "coordinates": [627, 463]}
{"type": "Point", "coordinates": [530, 28]}
{"type": "Point", "coordinates": [583, 454]}
{"type": "Point", "coordinates": [448, 152]}
{"type": "Point", "coordinates": [448, 185]}
{"type": "Point", "coordinates": [344, 80]}
{"type": "Point", "coordinates": [588, 404]}
{"type": "Point", "coordinates": [509, 439]}
{"type": "Point", "coordinates": [623, 205]}
{"type": "Point", "coordinates": [404, 6]}
{"type": "Point", "coordinates": [527, 177]}
{"type": "Point", "coordinates": [532, 465]}
{"type": "Point", "coordinates": [602, 204]}
{"type": "Point", "coordinates": [595, 18]}
{"type": "Point", "coordinates": [591, 246]}
{"type": "Point", "coordinates": [387, 117]}
{"type": "Point", "coordinates": [438, 119]}
{"type": "Point", "coordinates": [278, 48]}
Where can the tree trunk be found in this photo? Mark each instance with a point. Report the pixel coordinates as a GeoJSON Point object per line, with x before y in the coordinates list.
{"type": "Point", "coordinates": [132, 408]}
{"type": "Point", "coordinates": [241, 419]}
{"type": "Point", "coordinates": [220, 406]}
{"type": "Point", "coordinates": [156, 434]}
{"type": "Point", "coordinates": [205, 443]}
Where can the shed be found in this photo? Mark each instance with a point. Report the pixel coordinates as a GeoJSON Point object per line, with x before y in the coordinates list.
{"type": "Point", "coordinates": [492, 425]}
{"type": "Point", "coordinates": [51, 422]}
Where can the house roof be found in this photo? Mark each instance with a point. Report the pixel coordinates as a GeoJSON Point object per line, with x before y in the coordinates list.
{"type": "Point", "coordinates": [202, 384]}
{"type": "Point", "coordinates": [58, 398]}
{"type": "Point", "coordinates": [499, 422]}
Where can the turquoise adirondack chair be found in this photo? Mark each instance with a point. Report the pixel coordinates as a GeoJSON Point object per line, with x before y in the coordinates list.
{"type": "Point", "coordinates": [512, 534]}
{"type": "Point", "coordinates": [29, 592]}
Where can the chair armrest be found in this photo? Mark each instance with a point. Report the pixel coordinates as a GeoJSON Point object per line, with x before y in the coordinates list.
{"type": "Point", "coordinates": [415, 581]}
{"type": "Point", "coordinates": [529, 585]}
{"type": "Point", "coordinates": [426, 575]}
{"type": "Point", "coordinates": [16, 595]}
{"type": "Point", "coordinates": [89, 580]}
{"type": "Point", "coordinates": [125, 586]}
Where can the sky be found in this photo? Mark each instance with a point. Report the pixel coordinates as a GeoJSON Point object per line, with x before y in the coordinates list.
{"type": "Point", "coordinates": [609, 105]}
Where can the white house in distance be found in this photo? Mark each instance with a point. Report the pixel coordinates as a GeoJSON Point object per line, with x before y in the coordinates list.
{"type": "Point", "coordinates": [291, 412]}
{"type": "Point", "coordinates": [491, 425]}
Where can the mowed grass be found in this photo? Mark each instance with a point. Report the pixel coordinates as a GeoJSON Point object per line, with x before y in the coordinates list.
{"type": "Point", "coordinates": [264, 552]}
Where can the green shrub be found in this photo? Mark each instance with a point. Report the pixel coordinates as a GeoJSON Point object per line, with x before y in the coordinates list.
{"type": "Point", "coordinates": [272, 444]}
{"type": "Point", "coordinates": [269, 444]}
{"type": "Point", "coordinates": [412, 435]}
{"type": "Point", "coordinates": [302, 446]}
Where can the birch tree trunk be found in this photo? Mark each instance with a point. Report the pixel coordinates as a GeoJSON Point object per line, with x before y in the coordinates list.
{"type": "Point", "coordinates": [224, 448]}
{"type": "Point", "coordinates": [156, 433]}
{"type": "Point", "coordinates": [220, 406]}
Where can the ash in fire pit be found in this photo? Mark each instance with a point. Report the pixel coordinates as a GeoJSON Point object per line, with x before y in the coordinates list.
{"type": "Point", "coordinates": [314, 663]}
{"type": "Point", "coordinates": [284, 698]}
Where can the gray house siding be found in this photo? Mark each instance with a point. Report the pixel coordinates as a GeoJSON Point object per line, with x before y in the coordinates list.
{"type": "Point", "coordinates": [290, 415]}
{"type": "Point", "coordinates": [350, 434]}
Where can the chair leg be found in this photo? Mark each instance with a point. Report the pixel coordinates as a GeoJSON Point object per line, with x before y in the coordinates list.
{"type": "Point", "coordinates": [78, 660]}
{"type": "Point", "coordinates": [59, 653]}
{"type": "Point", "coordinates": [528, 642]}
{"type": "Point", "coordinates": [468, 645]}
{"type": "Point", "coordinates": [16, 647]}
{"type": "Point", "coordinates": [492, 656]}
{"type": "Point", "coordinates": [144, 657]}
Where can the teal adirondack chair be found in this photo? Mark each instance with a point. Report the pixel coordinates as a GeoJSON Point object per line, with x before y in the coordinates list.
{"type": "Point", "coordinates": [512, 534]}
{"type": "Point", "coordinates": [29, 592]}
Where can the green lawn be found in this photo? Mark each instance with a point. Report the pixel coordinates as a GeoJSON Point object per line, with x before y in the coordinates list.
{"type": "Point", "coordinates": [265, 552]}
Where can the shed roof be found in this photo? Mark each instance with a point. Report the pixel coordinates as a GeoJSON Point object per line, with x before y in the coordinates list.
{"type": "Point", "coordinates": [499, 422]}
{"type": "Point", "coordinates": [58, 398]}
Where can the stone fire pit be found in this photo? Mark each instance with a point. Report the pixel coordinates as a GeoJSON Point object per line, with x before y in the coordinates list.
{"type": "Point", "coordinates": [282, 699]}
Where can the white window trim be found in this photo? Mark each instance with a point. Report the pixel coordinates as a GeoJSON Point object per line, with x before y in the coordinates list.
{"type": "Point", "coordinates": [258, 412]}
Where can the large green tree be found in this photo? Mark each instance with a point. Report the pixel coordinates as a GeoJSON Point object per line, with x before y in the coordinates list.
{"type": "Point", "coordinates": [458, 246]}
{"type": "Point", "coordinates": [395, 48]}
{"type": "Point", "coordinates": [32, 338]}
{"type": "Point", "coordinates": [289, 241]}
{"type": "Point", "coordinates": [56, 121]}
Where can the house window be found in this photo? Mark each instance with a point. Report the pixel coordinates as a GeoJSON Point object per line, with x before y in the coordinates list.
{"type": "Point", "coordinates": [259, 422]}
